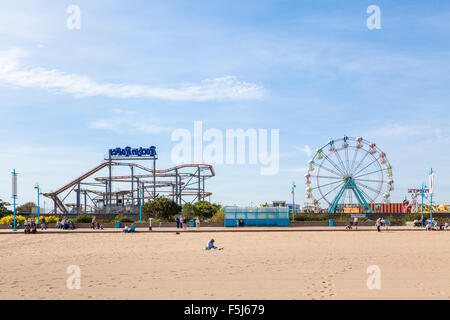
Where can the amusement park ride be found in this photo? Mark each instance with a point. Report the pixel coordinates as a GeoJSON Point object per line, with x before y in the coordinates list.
{"type": "Point", "coordinates": [183, 183]}
{"type": "Point", "coordinates": [348, 172]}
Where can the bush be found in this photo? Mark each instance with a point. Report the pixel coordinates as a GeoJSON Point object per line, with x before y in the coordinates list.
{"type": "Point", "coordinates": [10, 219]}
{"type": "Point", "coordinates": [206, 209]}
{"type": "Point", "coordinates": [162, 208]}
{"type": "Point", "coordinates": [219, 216]}
{"type": "Point", "coordinates": [312, 217]}
{"type": "Point", "coordinates": [123, 218]}
{"type": "Point", "coordinates": [83, 219]}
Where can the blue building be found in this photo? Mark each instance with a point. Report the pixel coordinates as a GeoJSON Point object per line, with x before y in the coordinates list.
{"type": "Point", "coordinates": [256, 216]}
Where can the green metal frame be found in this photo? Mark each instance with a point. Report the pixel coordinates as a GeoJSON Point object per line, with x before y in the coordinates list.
{"type": "Point", "coordinates": [350, 184]}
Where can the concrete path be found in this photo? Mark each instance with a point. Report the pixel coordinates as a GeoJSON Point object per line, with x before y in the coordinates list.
{"type": "Point", "coordinates": [215, 229]}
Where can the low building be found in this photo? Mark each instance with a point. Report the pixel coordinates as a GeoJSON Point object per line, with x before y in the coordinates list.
{"type": "Point", "coordinates": [277, 203]}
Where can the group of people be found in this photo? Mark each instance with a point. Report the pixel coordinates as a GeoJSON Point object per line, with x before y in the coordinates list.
{"type": "Point", "coordinates": [95, 224]}
{"type": "Point", "coordinates": [65, 224]}
{"type": "Point", "coordinates": [353, 223]}
{"type": "Point", "coordinates": [433, 226]}
{"type": "Point", "coordinates": [182, 222]}
{"type": "Point", "coordinates": [128, 228]}
{"type": "Point", "coordinates": [430, 225]}
{"type": "Point", "coordinates": [29, 225]}
{"type": "Point", "coordinates": [381, 222]}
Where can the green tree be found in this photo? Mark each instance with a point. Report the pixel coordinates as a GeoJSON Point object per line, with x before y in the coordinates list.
{"type": "Point", "coordinates": [188, 210]}
{"type": "Point", "coordinates": [161, 208]}
{"type": "Point", "coordinates": [26, 208]}
{"type": "Point", "coordinates": [206, 209]}
{"type": "Point", "coordinates": [3, 210]}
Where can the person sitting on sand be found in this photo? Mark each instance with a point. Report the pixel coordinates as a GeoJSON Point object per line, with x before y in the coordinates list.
{"type": "Point", "coordinates": [126, 229]}
{"type": "Point", "coordinates": [65, 223]}
{"type": "Point", "coordinates": [33, 227]}
{"type": "Point", "coordinates": [26, 225]}
{"type": "Point", "coordinates": [212, 246]}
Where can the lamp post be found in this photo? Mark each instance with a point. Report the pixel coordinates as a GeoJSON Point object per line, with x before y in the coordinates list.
{"type": "Point", "coordinates": [141, 195]}
{"type": "Point", "coordinates": [38, 196]}
{"type": "Point", "coordinates": [422, 203]}
{"type": "Point", "coordinates": [14, 195]}
{"type": "Point", "coordinates": [431, 182]}
{"type": "Point", "coordinates": [293, 201]}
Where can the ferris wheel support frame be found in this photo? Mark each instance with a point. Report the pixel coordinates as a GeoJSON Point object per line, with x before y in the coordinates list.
{"type": "Point", "coordinates": [350, 184]}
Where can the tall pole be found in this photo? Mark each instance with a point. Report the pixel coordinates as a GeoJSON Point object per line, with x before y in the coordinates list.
{"type": "Point", "coordinates": [141, 194]}
{"type": "Point", "coordinates": [431, 195]}
{"type": "Point", "coordinates": [14, 194]}
{"type": "Point", "coordinates": [132, 187]}
{"type": "Point", "coordinates": [154, 178]}
{"type": "Point", "coordinates": [422, 204]}
{"type": "Point", "coordinates": [293, 201]}
{"type": "Point", "coordinates": [109, 196]}
{"type": "Point", "coordinates": [38, 196]}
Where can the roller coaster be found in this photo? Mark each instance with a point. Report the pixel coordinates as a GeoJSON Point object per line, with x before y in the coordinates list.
{"type": "Point", "coordinates": [183, 183]}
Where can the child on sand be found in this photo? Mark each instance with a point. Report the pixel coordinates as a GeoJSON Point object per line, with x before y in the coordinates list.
{"type": "Point", "coordinates": [211, 246]}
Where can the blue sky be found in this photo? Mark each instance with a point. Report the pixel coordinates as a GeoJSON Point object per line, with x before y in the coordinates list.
{"type": "Point", "coordinates": [137, 70]}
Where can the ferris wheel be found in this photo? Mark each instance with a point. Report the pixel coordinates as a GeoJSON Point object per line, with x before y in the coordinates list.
{"type": "Point", "coordinates": [348, 172]}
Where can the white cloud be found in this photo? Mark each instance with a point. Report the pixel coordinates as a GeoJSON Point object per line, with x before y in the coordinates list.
{"type": "Point", "coordinates": [295, 170]}
{"type": "Point", "coordinates": [126, 125]}
{"type": "Point", "coordinates": [223, 88]}
{"type": "Point", "coordinates": [306, 149]}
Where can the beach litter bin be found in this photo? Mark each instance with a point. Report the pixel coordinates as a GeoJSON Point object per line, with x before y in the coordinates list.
{"type": "Point", "coordinates": [330, 222]}
{"type": "Point", "coordinates": [117, 224]}
{"type": "Point", "coordinates": [191, 223]}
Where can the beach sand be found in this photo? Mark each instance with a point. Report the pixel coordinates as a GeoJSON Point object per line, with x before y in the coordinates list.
{"type": "Point", "coordinates": [256, 265]}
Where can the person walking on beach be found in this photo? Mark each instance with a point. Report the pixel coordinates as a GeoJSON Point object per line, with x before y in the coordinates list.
{"type": "Point", "coordinates": [197, 223]}
{"type": "Point", "coordinates": [178, 221]}
{"type": "Point", "coordinates": [43, 225]}
{"type": "Point", "coordinates": [355, 222]}
{"type": "Point", "coordinates": [184, 223]}
{"type": "Point", "coordinates": [93, 222]}
{"type": "Point", "coordinates": [378, 224]}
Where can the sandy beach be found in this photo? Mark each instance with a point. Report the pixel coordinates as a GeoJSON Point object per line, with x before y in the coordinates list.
{"type": "Point", "coordinates": [253, 265]}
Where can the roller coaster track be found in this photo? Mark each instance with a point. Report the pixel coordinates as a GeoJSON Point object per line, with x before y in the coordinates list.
{"type": "Point", "coordinates": [205, 171]}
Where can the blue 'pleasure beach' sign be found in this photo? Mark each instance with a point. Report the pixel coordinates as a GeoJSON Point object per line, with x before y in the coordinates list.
{"type": "Point", "coordinates": [129, 152]}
